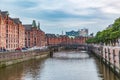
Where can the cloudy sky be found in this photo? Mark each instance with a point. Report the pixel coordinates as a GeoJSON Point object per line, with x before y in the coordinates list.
{"type": "Point", "coordinates": [56, 16]}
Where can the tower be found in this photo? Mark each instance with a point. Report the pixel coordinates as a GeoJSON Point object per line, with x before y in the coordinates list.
{"type": "Point", "coordinates": [38, 25]}
{"type": "Point", "coordinates": [34, 23]}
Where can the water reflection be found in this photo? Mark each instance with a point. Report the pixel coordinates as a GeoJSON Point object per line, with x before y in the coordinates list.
{"type": "Point", "coordinates": [28, 69]}
{"type": "Point", "coordinates": [105, 72]}
{"type": "Point", "coordinates": [68, 65]}
{"type": "Point", "coordinates": [71, 55]}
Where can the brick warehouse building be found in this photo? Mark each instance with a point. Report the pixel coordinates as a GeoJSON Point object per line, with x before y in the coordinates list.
{"type": "Point", "coordinates": [34, 36]}
{"type": "Point", "coordinates": [11, 32]}
{"type": "Point", "coordinates": [52, 39]}
{"type": "Point", "coordinates": [2, 31]}
{"type": "Point", "coordinates": [15, 35]}
{"type": "Point", "coordinates": [21, 33]}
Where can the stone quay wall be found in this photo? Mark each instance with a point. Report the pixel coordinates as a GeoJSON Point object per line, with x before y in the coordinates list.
{"type": "Point", "coordinates": [110, 55]}
{"type": "Point", "coordinates": [9, 58]}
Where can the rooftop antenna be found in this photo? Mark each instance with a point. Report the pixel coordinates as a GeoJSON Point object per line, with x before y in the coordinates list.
{"type": "Point", "coordinates": [62, 32]}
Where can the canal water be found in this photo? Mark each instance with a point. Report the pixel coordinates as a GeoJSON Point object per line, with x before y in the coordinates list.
{"type": "Point", "coordinates": [65, 65]}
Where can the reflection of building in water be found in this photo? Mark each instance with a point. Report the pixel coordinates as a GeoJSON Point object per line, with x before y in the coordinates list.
{"type": "Point", "coordinates": [12, 72]}
{"type": "Point", "coordinates": [105, 73]}
{"type": "Point", "coordinates": [18, 71]}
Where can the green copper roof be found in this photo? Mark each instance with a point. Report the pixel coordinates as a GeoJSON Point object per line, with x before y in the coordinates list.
{"type": "Point", "coordinates": [34, 23]}
{"type": "Point", "coordinates": [38, 25]}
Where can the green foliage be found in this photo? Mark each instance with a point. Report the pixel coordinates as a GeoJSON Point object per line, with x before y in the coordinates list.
{"type": "Point", "coordinates": [91, 40]}
{"type": "Point", "coordinates": [108, 35]}
{"type": "Point", "coordinates": [114, 35]}
{"type": "Point", "coordinates": [116, 25]}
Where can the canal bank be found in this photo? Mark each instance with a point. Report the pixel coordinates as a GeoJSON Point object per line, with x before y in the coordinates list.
{"type": "Point", "coordinates": [65, 65]}
{"type": "Point", "coordinates": [108, 55]}
{"type": "Point", "coordinates": [10, 58]}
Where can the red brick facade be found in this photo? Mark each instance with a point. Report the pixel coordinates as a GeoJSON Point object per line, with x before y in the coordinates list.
{"type": "Point", "coordinates": [34, 36]}
{"type": "Point", "coordinates": [52, 39]}
{"type": "Point", "coordinates": [15, 35]}
{"type": "Point", "coordinates": [11, 32]}
{"type": "Point", "coordinates": [2, 32]}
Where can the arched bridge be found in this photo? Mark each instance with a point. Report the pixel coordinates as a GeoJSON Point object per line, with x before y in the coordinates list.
{"type": "Point", "coordinates": [66, 46]}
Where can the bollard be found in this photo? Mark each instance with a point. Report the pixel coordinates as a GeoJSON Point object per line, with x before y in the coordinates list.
{"type": "Point", "coordinates": [109, 57]}
{"type": "Point", "coordinates": [119, 63]}
{"type": "Point", "coordinates": [102, 54]}
{"type": "Point", "coordinates": [51, 54]}
{"type": "Point", "coordinates": [114, 68]}
{"type": "Point", "coordinates": [105, 56]}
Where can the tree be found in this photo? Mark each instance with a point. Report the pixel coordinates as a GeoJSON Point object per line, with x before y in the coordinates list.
{"type": "Point", "coordinates": [114, 35]}
{"type": "Point", "coordinates": [116, 25]}
{"type": "Point", "coordinates": [108, 35]}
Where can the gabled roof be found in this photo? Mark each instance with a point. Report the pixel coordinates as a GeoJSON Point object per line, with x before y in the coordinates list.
{"type": "Point", "coordinates": [4, 13]}
{"type": "Point", "coordinates": [28, 26]}
{"type": "Point", "coordinates": [63, 36]}
{"type": "Point", "coordinates": [16, 20]}
{"type": "Point", "coordinates": [51, 35]}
